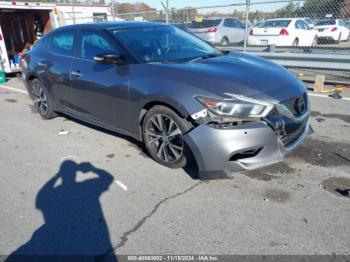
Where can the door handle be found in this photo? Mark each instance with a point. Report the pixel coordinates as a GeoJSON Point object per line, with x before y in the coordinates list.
{"type": "Point", "coordinates": [76, 74]}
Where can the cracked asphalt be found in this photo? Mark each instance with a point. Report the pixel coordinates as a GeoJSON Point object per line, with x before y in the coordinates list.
{"type": "Point", "coordinates": [142, 207]}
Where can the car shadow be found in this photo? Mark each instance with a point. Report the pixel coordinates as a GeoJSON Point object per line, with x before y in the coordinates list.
{"type": "Point", "coordinates": [74, 226]}
{"type": "Point", "coordinates": [191, 169]}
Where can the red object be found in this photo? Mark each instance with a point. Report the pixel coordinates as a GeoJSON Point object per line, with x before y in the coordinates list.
{"type": "Point", "coordinates": [212, 30]}
{"type": "Point", "coordinates": [26, 3]}
{"type": "Point", "coordinates": [334, 29]}
{"type": "Point", "coordinates": [251, 32]}
{"type": "Point", "coordinates": [13, 2]}
{"type": "Point", "coordinates": [284, 32]}
{"type": "Point", "coordinates": [1, 38]}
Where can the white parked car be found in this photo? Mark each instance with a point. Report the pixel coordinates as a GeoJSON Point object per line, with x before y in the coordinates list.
{"type": "Point", "coordinates": [218, 30]}
{"type": "Point", "coordinates": [283, 32]}
{"type": "Point", "coordinates": [332, 30]}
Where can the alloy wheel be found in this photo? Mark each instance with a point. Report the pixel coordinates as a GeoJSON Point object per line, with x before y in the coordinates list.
{"type": "Point", "coordinates": [164, 138]}
{"type": "Point", "coordinates": [39, 98]}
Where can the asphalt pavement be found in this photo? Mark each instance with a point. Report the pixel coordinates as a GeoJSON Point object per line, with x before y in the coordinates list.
{"type": "Point", "coordinates": [136, 206]}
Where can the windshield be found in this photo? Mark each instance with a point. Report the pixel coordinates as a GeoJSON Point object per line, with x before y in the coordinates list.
{"type": "Point", "coordinates": [307, 20]}
{"type": "Point", "coordinates": [275, 23]}
{"type": "Point", "coordinates": [162, 43]}
{"type": "Point", "coordinates": [205, 23]}
{"type": "Point", "coordinates": [326, 22]}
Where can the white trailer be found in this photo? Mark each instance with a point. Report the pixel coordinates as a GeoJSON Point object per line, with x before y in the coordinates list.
{"type": "Point", "coordinates": [17, 29]}
{"type": "Point", "coordinates": [80, 13]}
{"type": "Point", "coordinates": [18, 19]}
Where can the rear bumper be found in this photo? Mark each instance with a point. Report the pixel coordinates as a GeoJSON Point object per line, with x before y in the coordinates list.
{"type": "Point", "coordinates": [327, 35]}
{"type": "Point", "coordinates": [270, 40]}
{"type": "Point", "coordinates": [209, 37]}
{"type": "Point", "coordinates": [216, 150]}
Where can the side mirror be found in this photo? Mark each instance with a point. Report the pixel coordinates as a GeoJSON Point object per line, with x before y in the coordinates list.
{"type": "Point", "coordinates": [110, 58]}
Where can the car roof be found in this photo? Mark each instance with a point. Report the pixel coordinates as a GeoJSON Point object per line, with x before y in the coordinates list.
{"type": "Point", "coordinates": [278, 19]}
{"type": "Point", "coordinates": [111, 25]}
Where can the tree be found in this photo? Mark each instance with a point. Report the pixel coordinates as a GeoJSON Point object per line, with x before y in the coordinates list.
{"type": "Point", "coordinates": [287, 11]}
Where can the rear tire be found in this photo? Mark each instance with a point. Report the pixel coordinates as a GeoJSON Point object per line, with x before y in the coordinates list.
{"type": "Point", "coordinates": [41, 99]}
{"type": "Point", "coordinates": [314, 42]}
{"type": "Point", "coordinates": [162, 133]}
{"type": "Point", "coordinates": [296, 42]}
{"type": "Point", "coordinates": [339, 39]}
{"type": "Point", "coordinates": [224, 41]}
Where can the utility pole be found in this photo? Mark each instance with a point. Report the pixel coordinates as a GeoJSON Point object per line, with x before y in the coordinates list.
{"type": "Point", "coordinates": [246, 25]}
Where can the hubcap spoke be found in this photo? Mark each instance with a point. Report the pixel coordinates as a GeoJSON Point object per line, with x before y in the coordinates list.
{"type": "Point", "coordinates": [170, 126]}
{"type": "Point", "coordinates": [153, 134]}
{"type": "Point", "coordinates": [175, 153]}
{"type": "Point", "coordinates": [166, 154]}
{"type": "Point", "coordinates": [176, 132]}
{"type": "Point", "coordinates": [154, 121]}
{"type": "Point", "coordinates": [176, 146]}
{"type": "Point", "coordinates": [161, 123]}
{"type": "Point", "coordinates": [160, 150]}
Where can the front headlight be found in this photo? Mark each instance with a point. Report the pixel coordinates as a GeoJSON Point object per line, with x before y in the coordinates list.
{"type": "Point", "coordinates": [237, 106]}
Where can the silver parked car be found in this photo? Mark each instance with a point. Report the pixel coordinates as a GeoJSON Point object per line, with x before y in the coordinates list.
{"type": "Point", "coordinates": [218, 30]}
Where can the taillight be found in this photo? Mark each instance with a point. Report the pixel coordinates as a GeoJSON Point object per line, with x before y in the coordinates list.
{"type": "Point", "coordinates": [284, 32]}
{"type": "Point", "coordinates": [251, 32]}
{"type": "Point", "coordinates": [334, 29]}
{"type": "Point", "coordinates": [212, 30]}
{"type": "Point", "coordinates": [1, 37]}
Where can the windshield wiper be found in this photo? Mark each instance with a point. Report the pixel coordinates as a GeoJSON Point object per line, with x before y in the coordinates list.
{"type": "Point", "coordinates": [206, 56]}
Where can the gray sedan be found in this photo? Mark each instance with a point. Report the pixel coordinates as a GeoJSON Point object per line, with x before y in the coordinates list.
{"type": "Point", "coordinates": [186, 101]}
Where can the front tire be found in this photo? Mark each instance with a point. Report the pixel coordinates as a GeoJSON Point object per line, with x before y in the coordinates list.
{"type": "Point", "coordinates": [224, 41]}
{"type": "Point", "coordinates": [162, 133]}
{"type": "Point", "coordinates": [41, 99]}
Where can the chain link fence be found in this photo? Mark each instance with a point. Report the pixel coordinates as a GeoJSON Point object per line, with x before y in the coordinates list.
{"type": "Point", "coordinates": [295, 26]}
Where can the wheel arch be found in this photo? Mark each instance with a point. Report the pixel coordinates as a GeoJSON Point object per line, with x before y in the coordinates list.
{"type": "Point", "coordinates": [177, 108]}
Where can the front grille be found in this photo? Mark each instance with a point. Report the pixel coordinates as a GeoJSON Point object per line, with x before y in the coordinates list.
{"type": "Point", "coordinates": [287, 129]}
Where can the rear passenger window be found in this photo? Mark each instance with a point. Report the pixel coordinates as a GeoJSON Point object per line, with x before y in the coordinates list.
{"type": "Point", "coordinates": [61, 43]}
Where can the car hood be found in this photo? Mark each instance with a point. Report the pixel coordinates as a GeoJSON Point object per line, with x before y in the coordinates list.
{"type": "Point", "coordinates": [237, 74]}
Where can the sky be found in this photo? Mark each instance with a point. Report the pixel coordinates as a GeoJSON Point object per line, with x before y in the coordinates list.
{"type": "Point", "coordinates": [205, 3]}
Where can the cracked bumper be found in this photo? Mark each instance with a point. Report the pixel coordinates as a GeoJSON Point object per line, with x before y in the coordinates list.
{"type": "Point", "coordinates": [214, 148]}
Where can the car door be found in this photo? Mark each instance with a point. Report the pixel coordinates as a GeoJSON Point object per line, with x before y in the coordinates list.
{"type": "Point", "coordinates": [299, 32]}
{"type": "Point", "coordinates": [308, 35]}
{"type": "Point", "coordinates": [240, 30]}
{"type": "Point", "coordinates": [54, 67]}
{"type": "Point", "coordinates": [100, 91]}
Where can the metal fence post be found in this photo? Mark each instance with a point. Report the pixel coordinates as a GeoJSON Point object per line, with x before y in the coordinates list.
{"type": "Point", "coordinates": [113, 15]}
{"type": "Point", "coordinates": [73, 13]}
{"type": "Point", "coordinates": [167, 11]}
{"type": "Point", "coordinates": [246, 25]}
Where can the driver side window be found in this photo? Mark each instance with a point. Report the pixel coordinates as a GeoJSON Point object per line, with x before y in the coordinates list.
{"type": "Point", "coordinates": [93, 43]}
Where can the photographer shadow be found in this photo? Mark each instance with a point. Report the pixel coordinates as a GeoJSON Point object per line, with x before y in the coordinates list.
{"type": "Point", "coordinates": [75, 228]}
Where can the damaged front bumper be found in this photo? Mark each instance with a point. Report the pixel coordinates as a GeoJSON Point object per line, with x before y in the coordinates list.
{"type": "Point", "coordinates": [247, 146]}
